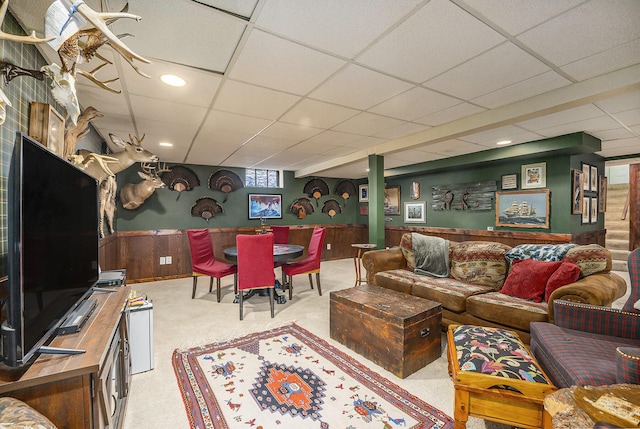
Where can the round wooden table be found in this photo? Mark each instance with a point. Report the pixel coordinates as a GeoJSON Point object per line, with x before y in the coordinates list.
{"type": "Point", "coordinates": [357, 258]}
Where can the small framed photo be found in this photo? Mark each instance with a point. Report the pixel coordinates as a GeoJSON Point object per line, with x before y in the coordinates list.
{"type": "Point", "coordinates": [576, 191]}
{"type": "Point", "coordinates": [392, 200]}
{"type": "Point", "coordinates": [415, 212]}
{"type": "Point", "coordinates": [534, 176]}
{"type": "Point", "coordinates": [585, 210]}
{"type": "Point", "coordinates": [265, 206]}
{"type": "Point", "coordinates": [414, 192]}
{"type": "Point", "coordinates": [363, 193]}
{"type": "Point", "coordinates": [594, 210]}
{"type": "Point", "coordinates": [586, 182]}
{"type": "Point", "coordinates": [594, 178]}
{"type": "Point", "coordinates": [602, 194]}
{"type": "Point", "coordinates": [509, 181]}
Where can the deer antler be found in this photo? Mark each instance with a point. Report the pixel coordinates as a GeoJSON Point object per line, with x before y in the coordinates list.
{"type": "Point", "coordinates": [135, 140]}
{"type": "Point", "coordinates": [31, 38]}
{"type": "Point", "coordinates": [91, 75]}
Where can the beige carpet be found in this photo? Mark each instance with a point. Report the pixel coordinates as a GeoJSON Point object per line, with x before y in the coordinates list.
{"type": "Point", "coordinates": [179, 322]}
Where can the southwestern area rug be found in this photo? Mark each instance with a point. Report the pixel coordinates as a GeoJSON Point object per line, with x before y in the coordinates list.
{"type": "Point", "coordinates": [289, 378]}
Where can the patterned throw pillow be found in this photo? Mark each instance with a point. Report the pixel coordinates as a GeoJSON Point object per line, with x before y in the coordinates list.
{"type": "Point", "coordinates": [591, 258]}
{"type": "Point", "coordinates": [568, 272]}
{"type": "Point", "coordinates": [406, 245]}
{"type": "Point", "coordinates": [479, 262]}
{"type": "Point", "coordinates": [528, 279]}
{"type": "Point", "coordinates": [539, 252]}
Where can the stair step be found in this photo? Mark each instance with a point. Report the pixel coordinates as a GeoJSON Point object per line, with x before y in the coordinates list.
{"type": "Point", "coordinates": [619, 254]}
{"type": "Point", "coordinates": [619, 265]}
{"type": "Point", "coordinates": [616, 234]}
{"type": "Point", "coordinates": [618, 225]}
{"type": "Point", "coordinates": [613, 244]}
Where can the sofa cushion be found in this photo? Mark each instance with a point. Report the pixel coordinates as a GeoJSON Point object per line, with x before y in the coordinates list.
{"type": "Point", "coordinates": [591, 258]}
{"type": "Point", "coordinates": [539, 252]}
{"type": "Point", "coordinates": [406, 245]}
{"type": "Point", "coordinates": [451, 293]}
{"type": "Point", "coordinates": [567, 273]}
{"type": "Point", "coordinates": [528, 279]}
{"type": "Point", "coordinates": [479, 262]}
{"type": "Point", "coordinates": [507, 310]}
{"type": "Point", "coordinates": [399, 280]}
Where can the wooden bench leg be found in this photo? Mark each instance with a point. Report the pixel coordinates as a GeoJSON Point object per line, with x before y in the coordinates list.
{"type": "Point", "coordinates": [461, 409]}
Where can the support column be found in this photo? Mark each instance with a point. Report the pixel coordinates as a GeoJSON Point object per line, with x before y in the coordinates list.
{"type": "Point", "coordinates": [376, 200]}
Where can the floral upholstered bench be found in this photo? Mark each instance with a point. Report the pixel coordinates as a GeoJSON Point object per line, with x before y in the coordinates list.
{"type": "Point", "coordinates": [16, 414]}
{"type": "Point", "coordinates": [495, 377]}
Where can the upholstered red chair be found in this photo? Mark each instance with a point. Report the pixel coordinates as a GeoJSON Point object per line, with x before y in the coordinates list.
{"type": "Point", "coordinates": [280, 234]}
{"type": "Point", "coordinates": [203, 261]}
{"type": "Point", "coordinates": [255, 265]}
{"type": "Point", "coordinates": [309, 265]}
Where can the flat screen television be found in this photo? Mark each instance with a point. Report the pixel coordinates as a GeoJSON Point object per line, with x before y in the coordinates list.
{"type": "Point", "coordinates": [53, 234]}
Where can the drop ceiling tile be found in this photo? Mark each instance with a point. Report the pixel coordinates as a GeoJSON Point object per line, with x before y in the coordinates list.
{"type": "Point", "coordinates": [358, 87]}
{"type": "Point", "coordinates": [414, 103]}
{"type": "Point", "coordinates": [243, 8]}
{"type": "Point", "coordinates": [402, 130]}
{"type": "Point", "coordinates": [398, 159]}
{"type": "Point", "coordinates": [107, 103]}
{"type": "Point", "coordinates": [566, 38]}
{"type": "Point", "coordinates": [491, 137]}
{"type": "Point", "coordinates": [312, 113]}
{"type": "Point", "coordinates": [290, 132]}
{"type": "Point", "coordinates": [121, 124]}
{"type": "Point", "coordinates": [217, 121]}
{"type": "Point", "coordinates": [604, 62]}
{"type": "Point", "coordinates": [501, 66]}
{"type": "Point", "coordinates": [265, 145]}
{"type": "Point", "coordinates": [273, 62]}
{"type": "Point", "coordinates": [166, 111]}
{"type": "Point", "coordinates": [588, 125]}
{"type": "Point", "coordinates": [516, 17]}
{"type": "Point", "coordinates": [629, 117]}
{"type": "Point", "coordinates": [437, 37]}
{"type": "Point", "coordinates": [452, 148]}
{"type": "Point", "coordinates": [613, 134]}
{"type": "Point", "coordinates": [311, 147]}
{"type": "Point", "coordinates": [620, 147]}
{"type": "Point", "coordinates": [621, 103]}
{"type": "Point", "coordinates": [333, 138]}
{"type": "Point", "coordinates": [184, 33]}
{"type": "Point", "coordinates": [367, 124]}
{"type": "Point", "coordinates": [522, 90]}
{"type": "Point", "coordinates": [250, 100]}
{"type": "Point", "coordinates": [367, 143]}
{"type": "Point", "coordinates": [450, 114]}
{"type": "Point", "coordinates": [200, 88]}
{"type": "Point", "coordinates": [561, 118]}
{"type": "Point", "coordinates": [215, 147]}
{"type": "Point", "coordinates": [329, 25]}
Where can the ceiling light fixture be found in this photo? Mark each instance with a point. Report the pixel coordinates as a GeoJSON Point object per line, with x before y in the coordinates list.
{"type": "Point", "coordinates": [503, 142]}
{"type": "Point", "coordinates": [173, 80]}
{"type": "Point", "coordinates": [166, 144]}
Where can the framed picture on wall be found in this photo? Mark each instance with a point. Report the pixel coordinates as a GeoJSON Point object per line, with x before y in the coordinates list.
{"type": "Point", "coordinates": [509, 181]}
{"type": "Point", "coordinates": [392, 200]}
{"type": "Point", "coordinates": [594, 179]}
{"type": "Point", "coordinates": [267, 206]}
{"type": "Point", "coordinates": [523, 209]}
{"type": "Point", "coordinates": [46, 125]}
{"type": "Point", "coordinates": [414, 192]}
{"type": "Point", "coordinates": [602, 194]}
{"type": "Point", "coordinates": [534, 176]}
{"type": "Point", "coordinates": [576, 191]}
{"type": "Point", "coordinates": [594, 210]}
{"type": "Point", "coordinates": [363, 193]}
{"type": "Point", "coordinates": [585, 210]}
{"type": "Point", "coordinates": [415, 212]}
{"type": "Point", "coordinates": [586, 181]}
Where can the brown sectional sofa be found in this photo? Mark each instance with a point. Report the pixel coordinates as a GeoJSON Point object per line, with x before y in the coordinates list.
{"type": "Point", "coordinates": [478, 269]}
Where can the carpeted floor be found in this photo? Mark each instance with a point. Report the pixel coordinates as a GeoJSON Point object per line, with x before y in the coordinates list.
{"type": "Point", "coordinates": [182, 322]}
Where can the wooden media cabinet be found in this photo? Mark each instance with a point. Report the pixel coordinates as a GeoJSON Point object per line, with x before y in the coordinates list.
{"type": "Point", "coordinates": [87, 390]}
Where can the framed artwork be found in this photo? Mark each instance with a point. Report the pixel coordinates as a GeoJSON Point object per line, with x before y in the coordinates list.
{"type": "Point", "coordinates": [585, 209]}
{"type": "Point", "coordinates": [265, 206]}
{"type": "Point", "coordinates": [363, 193]}
{"type": "Point", "coordinates": [392, 200]}
{"type": "Point", "coordinates": [523, 209]}
{"type": "Point", "coordinates": [46, 125]}
{"type": "Point", "coordinates": [414, 192]}
{"type": "Point", "coordinates": [509, 181]}
{"type": "Point", "coordinates": [576, 191]}
{"type": "Point", "coordinates": [415, 212]}
{"type": "Point", "coordinates": [364, 210]}
{"type": "Point", "coordinates": [594, 178]}
{"type": "Point", "coordinates": [602, 194]}
{"type": "Point", "coordinates": [594, 210]}
{"type": "Point", "coordinates": [586, 171]}
{"type": "Point", "coordinates": [534, 176]}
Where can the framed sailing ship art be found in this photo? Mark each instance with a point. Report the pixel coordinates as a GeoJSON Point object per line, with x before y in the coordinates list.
{"type": "Point", "coordinates": [523, 209]}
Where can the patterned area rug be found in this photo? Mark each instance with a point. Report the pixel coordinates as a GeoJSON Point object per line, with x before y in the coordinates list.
{"type": "Point", "coordinates": [289, 378]}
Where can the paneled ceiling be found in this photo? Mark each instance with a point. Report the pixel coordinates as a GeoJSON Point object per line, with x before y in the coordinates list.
{"type": "Point", "coordinates": [317, 86]}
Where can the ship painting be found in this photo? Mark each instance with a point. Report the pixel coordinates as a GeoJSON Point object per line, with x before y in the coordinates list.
{"type": "Point", "coordinates": [523, 209]}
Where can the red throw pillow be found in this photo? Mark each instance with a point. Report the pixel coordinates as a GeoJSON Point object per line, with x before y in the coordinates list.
{"type": "Point", "coordinates": [528, 279]}
{"type": "Point", "coordinates": [567, 272]}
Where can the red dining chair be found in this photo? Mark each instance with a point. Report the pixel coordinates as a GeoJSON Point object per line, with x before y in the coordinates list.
{"type": "Point", "coordinates": [280, 234]}
{"type": "Point", "coordinates": [309, 265]}
{"type": "Point", "coordinates": [203, 261]}
{"type": "Point", "coordinates": [255, 265]}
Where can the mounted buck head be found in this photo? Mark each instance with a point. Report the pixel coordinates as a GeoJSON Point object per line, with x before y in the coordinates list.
{"type": "Point", "coordinates": [134, 195]}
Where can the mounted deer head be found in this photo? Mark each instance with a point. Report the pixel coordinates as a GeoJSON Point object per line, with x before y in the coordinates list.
{"type": "Point", "coordinates": [63, 89]}
{"type": "Point", "coordinates": [134, 195]}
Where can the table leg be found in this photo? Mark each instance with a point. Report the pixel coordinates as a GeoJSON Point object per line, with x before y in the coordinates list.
{"type": "Point", "coordinates": [357, 259]}
{"type": "Point", "coordinates": [461, 408]}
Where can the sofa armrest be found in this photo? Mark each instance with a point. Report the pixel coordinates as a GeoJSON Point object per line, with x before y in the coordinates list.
{"type": "Point", "coordinates": [375, 261]}
{"type": "Point", "coordinates": [597, 289]}
{"type": "Point", "coordinates": [596, 319]}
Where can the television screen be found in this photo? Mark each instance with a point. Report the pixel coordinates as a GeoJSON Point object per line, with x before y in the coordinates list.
{"type": "Point", "coordinates": [53, 244]}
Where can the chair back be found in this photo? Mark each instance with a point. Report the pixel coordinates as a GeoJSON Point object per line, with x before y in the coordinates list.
{"type": "Point", "coordinates": [201, 248]}
{"type": "Point", "coordinates": [314, 253]}
{"type": "Point", "coordinates": [280, 234]}
{"type": "Point", "coordinates": [633, 264]}
{"type": "Point", "coordinates": [255, 261]}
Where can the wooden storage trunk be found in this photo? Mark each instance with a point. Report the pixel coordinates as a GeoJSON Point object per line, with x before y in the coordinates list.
{"type": "Point", "coordinates": [397, 331]}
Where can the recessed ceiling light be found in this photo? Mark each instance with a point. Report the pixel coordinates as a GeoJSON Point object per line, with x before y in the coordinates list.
{"type": "Point", "coordinates": [173, 80]}
{"type": "Point", "coordinates": [166, 144]}
{"type": "Point", "coordinates": [503, 142]}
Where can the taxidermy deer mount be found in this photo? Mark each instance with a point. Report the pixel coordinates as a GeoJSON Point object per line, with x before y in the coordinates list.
{"type": "Point", "coordinates": [134, 195]}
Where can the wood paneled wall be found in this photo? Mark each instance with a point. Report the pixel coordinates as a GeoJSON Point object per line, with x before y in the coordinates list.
{"type": "Point", "coordinates": [140, 251]}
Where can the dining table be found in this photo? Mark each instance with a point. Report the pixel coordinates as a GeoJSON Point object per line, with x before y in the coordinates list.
{"type": "Point", "coordinates": [281, 253]}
